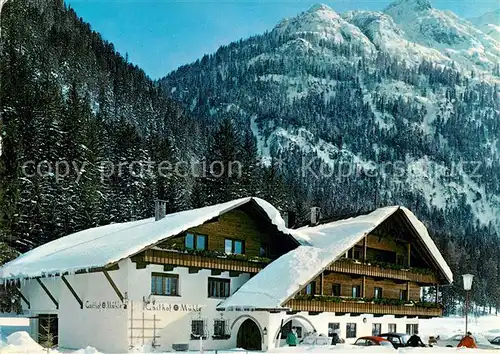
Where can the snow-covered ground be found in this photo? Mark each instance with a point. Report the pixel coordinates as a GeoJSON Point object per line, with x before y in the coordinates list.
{"type": "Point", "coordinates": [9, 325]}
{"type": "Point", "coordinates": [489, 326]}
{"type": "Point", "coordinates": [351, 349]}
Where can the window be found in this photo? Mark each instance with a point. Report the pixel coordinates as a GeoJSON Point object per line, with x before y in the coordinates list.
{"type": "Point", "coordinates": [201, 243]}
{"type": "Point", "coordinates": [403, 295]}
{"type": "Point", "coordinates": [311, 288]}
{"type": "Point", "coordinates": [392, 328]}
{"type": "Point", "coordinates": [198, 329]}
{"type": "Point", "coordinates": [377, 293]}
{"type": "Point", "coordinates": [400, 259]}
{"type": "Point", "coordinates": [411, 328]}
{"type": "Point", "coordinates": [298, 331]}
{"type": "Point", "coordinates": [220, 327]}
{"type": "Point", "coordinates": [219, 288]}
{"type": "Point", "coordinates": [263, 251]}
{"type": "Point", "coordinates": [356, 291]}
{"type": "Point", "coordinates": [164, 284]}
{"type": "Point", "coordinates": [376, 329]}
{"type": "Point", "coordinates": [355, 253]}
{"type": "Point", "coordinates": [336, 290]}
{"type": "Point", "coordinates": [332, 327]}
{"type": "Point", "coordinates": [234, 246]}
{"type": "Point", "coordinates": [360, 342]}
{"type": "Point", "coordinates": [198, 242]}
{"type": "Point", "coordinates": [395, 340]}
{"type": "Point", "coordinates": [351, 330]}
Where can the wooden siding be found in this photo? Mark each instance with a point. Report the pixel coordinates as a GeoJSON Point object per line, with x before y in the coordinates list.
{"type": "Point", "coordinates": [349, 267]}
{"type": "Point", "coordinates": [177, 259]}
{"type": "Point", "coordinates": [354, 307]}
{"type": "Point", "coordinates": [389, 243]}
{"type": "Point", "coordinates": [386, 244]}
{"type": "Point", "coordinates": [390, 289]}
{"type": "Point", "coordinates": [239, 225]}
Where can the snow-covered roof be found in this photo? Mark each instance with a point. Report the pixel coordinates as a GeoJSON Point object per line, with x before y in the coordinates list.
{"type": "Point", "coordinates": [106, 245]}
{"type": "Point", "coordinates": [322, 245]}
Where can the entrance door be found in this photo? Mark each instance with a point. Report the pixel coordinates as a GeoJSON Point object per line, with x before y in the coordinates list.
{"type": "Point", "coordinates": [48, 330]}
{"type": "Point", "coordinates": [249, 336]}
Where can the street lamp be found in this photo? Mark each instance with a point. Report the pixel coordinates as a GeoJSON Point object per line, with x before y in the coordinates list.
{"type": "Point", "coordinates": [467, 287]}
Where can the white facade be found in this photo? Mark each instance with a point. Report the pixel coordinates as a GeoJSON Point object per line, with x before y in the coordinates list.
{"type": "Point", "coordinates": [106, 324]}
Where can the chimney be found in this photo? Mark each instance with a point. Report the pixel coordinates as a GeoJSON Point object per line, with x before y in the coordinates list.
{"type": "Point", "coordinates": [160, 209]}
{"type": "Point", "coordinates": [289, 217]}
{"type": "Point", "coordinates": [315, 215]}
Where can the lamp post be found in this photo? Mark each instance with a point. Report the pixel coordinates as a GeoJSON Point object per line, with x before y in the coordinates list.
{"type": "Point", "coordinates": [467, 287]}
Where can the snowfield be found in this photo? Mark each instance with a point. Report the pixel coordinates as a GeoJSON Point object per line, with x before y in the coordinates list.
{"type": "Point", "coordinates": [489, 326]}
{"type": "Point", "coordinates": [21, 342]}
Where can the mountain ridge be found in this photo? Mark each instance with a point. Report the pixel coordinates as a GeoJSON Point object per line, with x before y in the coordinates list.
{"type": "Point", "coordinates": [489, 23]}
{"type": "Point", "coordinates": [423, 33]}
{"type": "Point", "coordinates": [358, 64]}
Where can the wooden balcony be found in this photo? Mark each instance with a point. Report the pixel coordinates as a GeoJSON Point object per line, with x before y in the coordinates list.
{"type": "Point", "coordinates": [360, 308]}
{"type": "Point", "coordinates": [197, 261]}
{"type": "Point", "coordinates": [349, 267]}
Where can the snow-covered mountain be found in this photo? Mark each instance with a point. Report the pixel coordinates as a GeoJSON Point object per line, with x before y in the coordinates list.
{"type": "Point", "coordinates": [412, 84]}
{"type": "Point", "coordinates": [326, 24]}
{"type": "Point", "coordinates": [453, 36]}
{"type": "Point", "coordinates": [489, 23]}
{"type": "Point", "coordinates": [383, 32]}
{"type": "Point", "coordinates": [411, 29]}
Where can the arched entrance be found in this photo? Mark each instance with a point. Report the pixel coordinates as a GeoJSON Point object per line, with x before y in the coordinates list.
{"type": "Point", "coordinates": [302, 325]}
{"type": "Point", "coordinates": [249, 336]}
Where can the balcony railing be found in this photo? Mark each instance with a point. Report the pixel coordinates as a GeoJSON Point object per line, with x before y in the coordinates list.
{"type": "Point", "coordinates": [180, 259]}
{"type": "Point", "coordinates": [350, 267]}
{"type": "Point", "coordinates": [362, 307]}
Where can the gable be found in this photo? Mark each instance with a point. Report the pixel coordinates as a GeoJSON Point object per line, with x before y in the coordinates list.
{"type": "Point", "coordinates": [323, 245]}
{"type": "Point", "coordinates": [396, 241]}
{"type": "Point", "coordinates": [247, 223]}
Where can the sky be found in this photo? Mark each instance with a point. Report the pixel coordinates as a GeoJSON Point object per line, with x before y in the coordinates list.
{"type": "Point", "coordinates": [161, 35]}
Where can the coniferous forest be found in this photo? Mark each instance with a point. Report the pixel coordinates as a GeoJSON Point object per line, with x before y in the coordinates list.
{"type": "Point", "coordinates": [68, 95]}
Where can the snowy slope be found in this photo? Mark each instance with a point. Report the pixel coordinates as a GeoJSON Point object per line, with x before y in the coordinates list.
{"type": "Point", "coordinates": [410, 29]}
{"type": "Point", "coordinates": [421, 175]}
{"type": "Point", "coordinates": [454, 37]}
{"type": "Point", "coordinates": [387, 36]}
{"type": "Point", "coordinates": [489, 23]}
{"type": "Point", "coordinates": [324, 23]}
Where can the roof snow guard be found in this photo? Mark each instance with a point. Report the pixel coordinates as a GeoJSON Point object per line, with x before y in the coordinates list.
{"type": "Point", "coordinates": [322, 245]}
{"type": "Point", "coordinates": [106, 245]}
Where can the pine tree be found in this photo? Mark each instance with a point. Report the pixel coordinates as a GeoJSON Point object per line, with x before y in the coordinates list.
{"type": "Point", "coordinates": [251, 170]}
{"type": "Point", "coordinates": [223, 165]}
